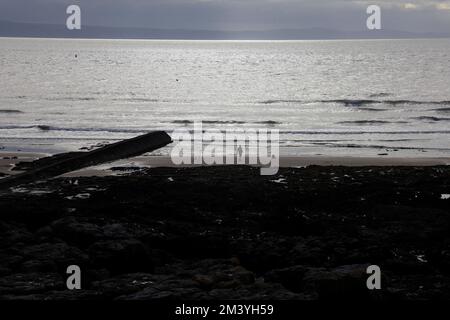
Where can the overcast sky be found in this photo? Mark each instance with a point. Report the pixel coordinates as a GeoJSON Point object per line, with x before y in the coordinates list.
{"type": "Point", "coordinates": [411, 15]}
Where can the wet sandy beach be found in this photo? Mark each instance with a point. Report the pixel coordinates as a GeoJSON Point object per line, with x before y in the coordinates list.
{"type": "Point", "coordinates": [9, 159]}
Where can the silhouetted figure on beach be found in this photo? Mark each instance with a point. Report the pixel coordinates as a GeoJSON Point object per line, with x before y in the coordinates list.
{"type": "Point", "coordinates": [239, 150]}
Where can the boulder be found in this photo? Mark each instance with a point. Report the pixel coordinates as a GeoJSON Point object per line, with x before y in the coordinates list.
{"type": "Point", "coordinates": [77, 231]}
{"type": "Point", "coordinates": [344, 282]}
{"type": "Point", "coordinates": [121, 256]}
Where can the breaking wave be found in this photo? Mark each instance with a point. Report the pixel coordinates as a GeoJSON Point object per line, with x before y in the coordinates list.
{"type": "Point", "coordinates": [294, 132]}
{"type": "Point", "coordinates": [370, 122]}
{"type": "Point", "coordinates": [186, 122]}
{"type": "Point", "coordinates": [360, 102]}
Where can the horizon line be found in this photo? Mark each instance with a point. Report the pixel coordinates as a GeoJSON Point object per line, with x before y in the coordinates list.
{"type": "Point", "coordinates": [447, 37]}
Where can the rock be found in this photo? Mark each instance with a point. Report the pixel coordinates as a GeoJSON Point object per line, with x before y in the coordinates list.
{"type": "Point", "coordinates": [344, 282]}
{"type": "Point", "coordinates": [121, 256]}
{"type": "Point", "coordinates": [115, 230]}
{"type": "Point", "coordinates": [4, 271]}
{"type": "Point", "coordinates": [60, 253]}
{"type": "Point", "coordinates": [44, 233]}
{"type": "Point", "coordinates": [51, 257]}
{"type": "Point", "coordinates": [291, 278]}
{"type": "Point", "coordinates": [77, 231]}
{"type": "Point", "coordinates": [127, 284]}
{"type": "Point", "coordinates": [12, 234]}
{"type": "Point", "coordinates": [204, 281]}
{"type": "Point", "coordinates": [227, 277]}
{"type": "Point", "coordinates": [158, 293]}
{"type": "Point", "coordinates": [42, 265]}
{"type": "Point", "coordinates": [23, 284]}
{"type": "Point", "coordinates": [408, 265]}
{"type": "Point", "coordinates": [300, 242]}
{"type": "Point", "coordinates": [262, 256]}
{"type": "Point", "coordinates": [126, 230]}
{"type": "Point", "coordinates": [66, 295]}
{"type": "Point", "coordinates": [209, 274]}
{"type": "Point", "coordinates": [9, 260]}
{"type": "Point", "coordinates": [308, 252]}
{"type": "Point", "coordinates": [92, 275]}
{"type": "Point", "coordinates": [244, 276]}
{"type": "Point", "coordinates": [168, 288]}
{"type": "Point", "coordinates": [201, 246]}
{"type": "Point", "coordinates": [259, 292]}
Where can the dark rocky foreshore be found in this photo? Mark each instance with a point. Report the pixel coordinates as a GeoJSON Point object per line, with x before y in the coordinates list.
{"type": "Point", "coordinates": [228, 233]}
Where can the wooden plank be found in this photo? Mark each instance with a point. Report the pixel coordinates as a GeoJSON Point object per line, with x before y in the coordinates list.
{"type": "Point", "coordinates": [112, 152]}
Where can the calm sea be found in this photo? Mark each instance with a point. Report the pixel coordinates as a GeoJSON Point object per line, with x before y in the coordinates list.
{"type": "Point", "coordinates": [326, 97]}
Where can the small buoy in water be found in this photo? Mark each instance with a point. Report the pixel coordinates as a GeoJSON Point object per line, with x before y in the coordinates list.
{"type": "Point", "coordinates": [76, 56]}
{"type": "Point", "coordinates": [177, 80]}
{"type": "Point", "coordinates": [43, 127]}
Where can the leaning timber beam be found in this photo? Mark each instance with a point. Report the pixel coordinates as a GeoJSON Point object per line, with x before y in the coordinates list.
{"type": "Point", "coordinates": [109, 153]}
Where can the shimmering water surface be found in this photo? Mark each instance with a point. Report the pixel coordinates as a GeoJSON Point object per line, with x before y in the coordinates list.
{"type": "Point", "coordinates": [326, 97]}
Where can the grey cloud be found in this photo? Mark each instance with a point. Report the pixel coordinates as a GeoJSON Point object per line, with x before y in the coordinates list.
{"type": "Point", "coordinates": [409, 15]}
